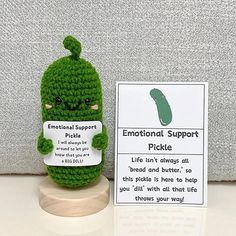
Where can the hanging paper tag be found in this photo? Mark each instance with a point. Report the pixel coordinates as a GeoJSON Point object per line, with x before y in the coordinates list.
{"type": "Point", "coordinates": [72, 143]}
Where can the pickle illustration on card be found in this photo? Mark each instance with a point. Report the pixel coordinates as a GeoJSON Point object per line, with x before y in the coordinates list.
{"type": "Point", "coordinates": [163, 107]}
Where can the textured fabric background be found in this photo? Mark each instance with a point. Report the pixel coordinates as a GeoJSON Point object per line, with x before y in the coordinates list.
{"type": "Point", "coordinates": [141, 40]}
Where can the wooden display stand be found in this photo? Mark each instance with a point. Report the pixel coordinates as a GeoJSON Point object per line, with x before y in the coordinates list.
{"type": "Point", "coordinates": [74, 202]}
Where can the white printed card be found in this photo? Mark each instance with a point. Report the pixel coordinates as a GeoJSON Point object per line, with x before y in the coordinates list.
{"type": "Point", "coordinates": [161, 143]}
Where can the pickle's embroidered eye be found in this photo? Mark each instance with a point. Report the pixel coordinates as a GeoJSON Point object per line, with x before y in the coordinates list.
{"type": "Point", "coordinates": [58, 100]}
{"type": "Point", "coordinates": [87, 101]}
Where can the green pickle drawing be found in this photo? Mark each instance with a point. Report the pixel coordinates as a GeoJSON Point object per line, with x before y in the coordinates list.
{"type": "Point", "coordinates": [71, 91]}
{"type": "Point", "coordinates": [163, 107]}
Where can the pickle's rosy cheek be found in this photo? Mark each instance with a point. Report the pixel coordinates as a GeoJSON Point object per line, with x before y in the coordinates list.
{"type": "Point", "coordinates": [94, 107]}
{"type": "Point", "coordinates": [48, 106]}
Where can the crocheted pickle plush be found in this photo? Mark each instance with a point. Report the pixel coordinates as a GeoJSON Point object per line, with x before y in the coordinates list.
{"type": "Point", "coordinates": [71, 91]}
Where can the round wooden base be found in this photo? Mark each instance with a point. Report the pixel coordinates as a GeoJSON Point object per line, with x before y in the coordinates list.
{"type": "Point", "coordinates": [74, 202]}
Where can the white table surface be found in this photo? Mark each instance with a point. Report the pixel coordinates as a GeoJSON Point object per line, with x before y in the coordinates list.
{"type": "Point", "coordinates": [20, 214]}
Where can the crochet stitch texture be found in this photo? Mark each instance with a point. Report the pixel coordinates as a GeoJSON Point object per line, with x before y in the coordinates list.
{"type": "Point", "coordinates": [71, 91]}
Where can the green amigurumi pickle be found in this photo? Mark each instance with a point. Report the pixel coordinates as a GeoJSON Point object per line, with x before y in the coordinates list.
{"type": "Point", "coordinates": [71, 91]}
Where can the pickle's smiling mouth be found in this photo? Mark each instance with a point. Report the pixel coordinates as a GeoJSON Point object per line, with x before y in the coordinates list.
{"type": "Point", "coordinates": [68, 107]}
